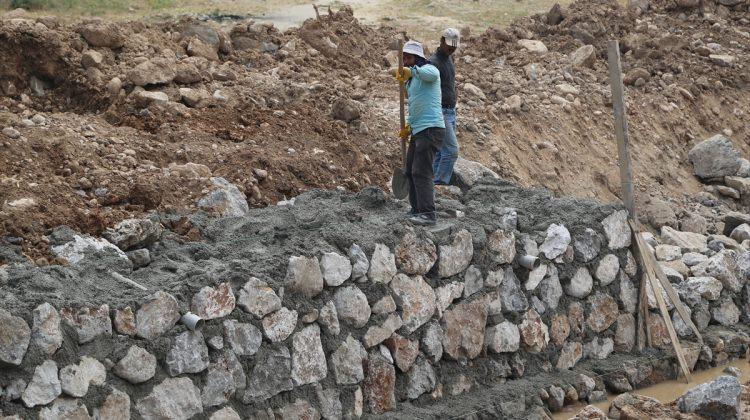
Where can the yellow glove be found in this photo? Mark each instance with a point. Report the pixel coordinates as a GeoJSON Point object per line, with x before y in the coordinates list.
{"type": "Point", "coordinates": [403, 75]}
{"type": "Point", "coordinates": [405, 132]}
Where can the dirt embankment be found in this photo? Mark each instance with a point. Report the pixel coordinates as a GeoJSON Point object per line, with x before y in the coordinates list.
{"type": "Point", "coordinates": [279, 113]}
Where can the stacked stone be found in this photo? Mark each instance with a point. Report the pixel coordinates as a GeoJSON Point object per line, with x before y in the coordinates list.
{"type": "Point", "coordinates": [365, 332]}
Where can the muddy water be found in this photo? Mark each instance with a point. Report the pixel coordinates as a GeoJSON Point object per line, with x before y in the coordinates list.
{"type": "Point", "coordinates": [666, 392]}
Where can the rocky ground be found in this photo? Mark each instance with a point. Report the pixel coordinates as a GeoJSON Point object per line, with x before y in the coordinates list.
{"type": "Point", "coordinates": [99, 119]}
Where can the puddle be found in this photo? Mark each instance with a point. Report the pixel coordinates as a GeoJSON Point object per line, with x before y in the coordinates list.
{"type": "Point", "coordinates": [667, 391]}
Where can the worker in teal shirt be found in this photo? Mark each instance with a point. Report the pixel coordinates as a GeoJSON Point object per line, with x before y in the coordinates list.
{"type": "Point", "coordinates": [427, 129]}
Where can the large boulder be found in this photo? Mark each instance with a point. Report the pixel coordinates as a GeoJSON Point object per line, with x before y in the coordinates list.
{"type": "Point", "coordinates": [224, 199]}
{"type": "Point", "coordinates": [718, 399]}
{"type": "Point", "coordinates": [714, 158]}
{"type": "Point", "coordinates": [157, 71]}
{"type": "Point", "coordinates": [468, 172]}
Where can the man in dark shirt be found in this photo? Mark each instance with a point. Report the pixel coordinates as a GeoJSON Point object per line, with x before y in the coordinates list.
{"type": "Point", "coordinates": [448, 154]}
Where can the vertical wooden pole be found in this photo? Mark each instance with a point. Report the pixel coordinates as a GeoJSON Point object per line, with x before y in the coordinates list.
{"type": "Point", "coordinates": [621, 127]}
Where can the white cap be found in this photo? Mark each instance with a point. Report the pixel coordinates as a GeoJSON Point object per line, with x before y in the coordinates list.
{"type": "Point", "coordinates": [414, 48]}
{"type": "Point", "coordinates": [452, 37]}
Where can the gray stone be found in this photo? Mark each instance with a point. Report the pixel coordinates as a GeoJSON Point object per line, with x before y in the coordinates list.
{"type": "Point", "coordinates": [625, 333]}
{"type": "Point", "coordinates": [556, 398]}
{"type": "Point", "coordinates": [606, 271]}
{"type": "Point", "coordinates": [581, 284]}
{"type": "Point", "coordinates": [156, 316]}
{"type": "Point", "coordinates": [258, 299]}
{"type": "Point", "coordinates": [224, 199]}
{"type": "Point", "coordinates": [693, 258]}
{"type": "Point", "coordinates": [556, 242]}
{"type": "Point", "coordinates": [346, 110]}
{"type": "Point", "coordinates": [469, 172]}
{"type": "Point", "coordinates": [617, 229]}
{"type": "Point", "coordinates": [303, 276]}
{"type": "Point", "coordinates": [360, 263]}
{"type": "Point", "coordinates": [617, 383]}
{"type": "Point", "coordinates": [511, 294]}
{"type": "Point", "coordinates": [137, 366]}
{"type": "Point", "coordinates": [587, 245]}
{"type": "Point", "coordinates": [598, 348]}
{"type": "Point", "coordinates": [695, 288]}
{"type": "Point", "coordinates": [688, 241]}
{"type": "Point", "coordinates": [376, 334]}
{"type": "Point", "coordinates": [65, 408]}
{"type": "Point", "coordinates": [473, 281]}
{"type": "Point", "coordinates": [386, 304]}
{"type": "Point", "coordinates": [432, 341]}
{"type": "Point", "coordinates": [503, 338]}
{"type": "Point", "coordinates": [212, 303]}
{"type": "Point", "coordinates": [13, 390]}
{"type": "Point", "coordinates": [174, 398]}
{"type": "Point", "coordinates": [416, 300]}
{"type": "Point", "coordinates": [718, 399]}
{"type": "Point", "coordinates": [299, 409]}
{"type": "Point", "coordinates": [628, 295]}
{"type": "Point", "coordinates": [603, 312]}
{"type": "Point", "coordinates": [550, 289]}
{"type": "Point", "coordinates": [189, 354]}
{"type": "Point", "coordinates": [347, 361]}
{"type": "Point", "coordinates": [244, 339]}
{"type": "Point", "coordinates": [415, 254]}
{"type": "Point", "coordinates": [139, 257]}
{"type": "Point", "coordinates": [455, 257]}
{"type": "Point", "coordinates": [668, 252]}
{"type": "Point", "coordinates": [722, 266]}
{"type": "Point", "coordinates": [502, 246]}
{"type": "Point", "coordinates": [280, 324]}
{"type": "Point", "coordinates": [741, 233]}
{"type": "Point", "coordinates": [115, 407]}
{"type": "Point", "coordinates": [226, 413]}
{"type": "Point", "coordinates": [336, 268]}
{"type": "Point", "coordinates": [715, 157]}
{"type": "Point", "coordinates": [726, 314]}
{"type": "Point", "coordinates": [329, 318]}
{"type": "Point", "coordinates": [88, 322]}
{"type": "Point", "coordinates": [352, 306]}
{"type": "Point", "coordinates": [330, 402]}
{"type": "Point", "coordinates": [494, 278]}
{"type": "Point", "coordinates": [44, 386]}
{"type": "Point", "coordinates": [681, 328]}
{"type": "Point", "coordinates": [308, 358]}
{"type": "Point", "coordinates": [271, 375]}
{"type": "Point", "coordinates": [420, 379]}
{"type": "Point", "coordinates": [219, 385]}
{"type": "Point", "coordinates": [382, 265]}
{"type": "Point", "coordinates": [570, 355]}
{"type": "Point", "coordinates": [134, 233]}
{"type": "Point", "coordinates": [45, 332]}
{"type": "Point", "coordinates": [75, 379]}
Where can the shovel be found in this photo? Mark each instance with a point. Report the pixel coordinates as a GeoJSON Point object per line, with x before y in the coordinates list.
{"type": "Point", "coordinates": [399, 183]}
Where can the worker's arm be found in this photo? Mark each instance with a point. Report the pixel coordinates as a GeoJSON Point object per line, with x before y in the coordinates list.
{"type": "Point", "coordinates": [426, 73]}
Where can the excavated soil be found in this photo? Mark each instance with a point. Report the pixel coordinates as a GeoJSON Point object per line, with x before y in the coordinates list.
{"type": "Point", "coordinates": [100, 156]}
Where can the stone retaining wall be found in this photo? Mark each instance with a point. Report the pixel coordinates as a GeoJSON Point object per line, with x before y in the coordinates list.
{"type": "Point", "coordinates": [435, 314]}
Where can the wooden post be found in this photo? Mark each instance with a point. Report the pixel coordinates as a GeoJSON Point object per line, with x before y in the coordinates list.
{"type": "Point", "coordinates": [621, 127]}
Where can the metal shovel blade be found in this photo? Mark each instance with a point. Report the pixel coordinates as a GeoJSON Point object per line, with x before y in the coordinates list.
{"type": "Point", "coordinates": [399, 183]}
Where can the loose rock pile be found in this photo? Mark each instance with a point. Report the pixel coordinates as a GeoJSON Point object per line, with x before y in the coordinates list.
{"type": "Point", "coordinates": [318, 309]}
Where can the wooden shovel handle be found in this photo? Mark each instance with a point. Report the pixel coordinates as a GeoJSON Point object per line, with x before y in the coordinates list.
{"type": "Point", "coordinates": [402, 94]}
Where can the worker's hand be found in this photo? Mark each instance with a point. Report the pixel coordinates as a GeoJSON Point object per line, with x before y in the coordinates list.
{"type": "Point", "coordinates": [405, 132]}
{"type": "Point", "coordinates": [403, 75]}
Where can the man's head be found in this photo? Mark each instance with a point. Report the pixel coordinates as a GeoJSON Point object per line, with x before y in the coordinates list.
{"type": "Point", "coordinates": [412, 50]}
{"type": "Point", "coordinates": [449, 41]}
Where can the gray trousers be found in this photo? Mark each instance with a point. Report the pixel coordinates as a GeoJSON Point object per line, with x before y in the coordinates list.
{"type": "Point", "coordinates": [419, 169]}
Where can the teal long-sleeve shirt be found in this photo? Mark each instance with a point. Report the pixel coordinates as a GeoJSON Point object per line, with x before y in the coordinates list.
{"type": "Point", "coordinates": [425, 109]}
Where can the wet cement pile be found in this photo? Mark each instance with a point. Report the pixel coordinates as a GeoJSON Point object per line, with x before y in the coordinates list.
{"type": "Point", "coordinates": [300, 322]}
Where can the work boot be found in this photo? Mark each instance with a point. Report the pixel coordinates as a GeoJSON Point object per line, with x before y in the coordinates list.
{"type": "Point", "coordinates": [422, 220]}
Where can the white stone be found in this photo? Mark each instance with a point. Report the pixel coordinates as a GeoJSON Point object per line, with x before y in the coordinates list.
{"type": "Point", "coordinates": [257, 298]}
{"type": "Point", "coordinates": [308, 358]}
{"type": "Point", "coordinates": [581, 284]}
{"type": "Point", "coordinates": [617, 229]}
{"type": "Point", "coordinates": [156, 316]}
{"type": "Point", "coordinates": [556, 242]}
{"type": "Point", "coordinates": [455, 257]}
{"type": "Point", "coordinates": [280, 324]}
{"type": "Point", "coordinates": [137, 366]}
{"type": "Point", "coordinates": [189, 354]}
{"type": "Point", "coordinates": [45, 331]}
{"type": "Point", "coordinates": [606, 271]}
{"type": "Point", "coordinates": [174, 398]}
{"type": "Point", "coordinates": [352, 306]}
{"type": "Point", "coordinates": [75, 379]}
{"type": "Point", "coordinates": [503, 338]}
{"type": "Point", "coordinates": [44, 386]}
{"type": "Point", "coordinates": [668, 252]}
{"type": "Point", "coordinates": [382, 265]}
{"type": "Point", "coordinates": [336, 268]}
{"type": "Point", "coordinates": [415, 298]}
